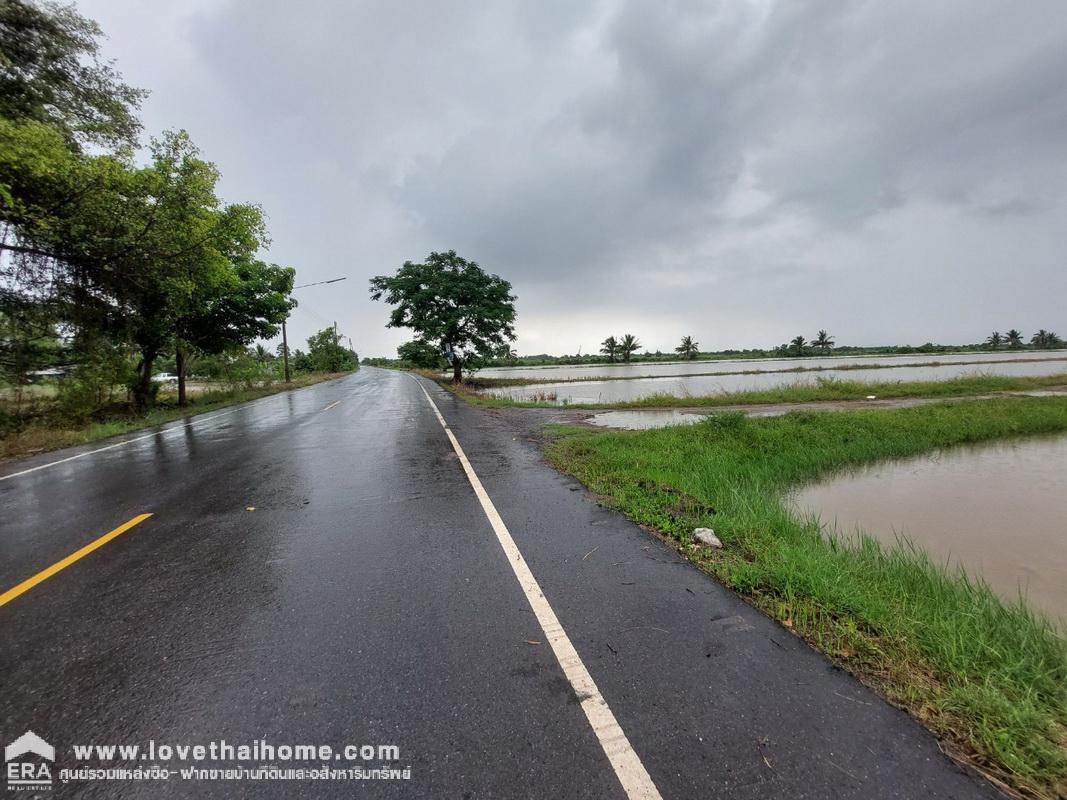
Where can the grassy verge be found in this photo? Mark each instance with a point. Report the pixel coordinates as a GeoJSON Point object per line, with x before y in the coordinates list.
{"type": "Point", "coordinates": [821, 389]}
{"type": "Point", "coordinates": [52, 433]}
{"type": "Point", "coordinates": [989, 677]}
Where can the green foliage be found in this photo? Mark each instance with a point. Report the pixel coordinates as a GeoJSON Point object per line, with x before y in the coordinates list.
{"type": "Point", "coordinates": [301, 362]}
{"type": "Point", "coordinates": [1014, 339]}
{"type": "Point", "coordinates": [99, 380]}
{"type": "Point", "coordinates": [51, 72]}
{"type": "Point", "coordinates": [1046, 340]}
{"type": "Point", "coordinates": [823, 341]}
{"type": "Point", "coordinates": [628, 345]}
{"type": "Point", "coordinates": [989, 674]}
{"type": "Point", "coordinates": [420, 353]}
{"type": "Point", "coordinates": [610, 348]}
{"type": "Point", "coordinates": [688, 349]}
{"type": "Point", "coordinates": [146, 254]}
{"type": "Point", "coordinates": [452, 302]}
{"type": "Point", "coordinates": [326, 354]}
{"type": "Point", "coordinates": [28, 338]}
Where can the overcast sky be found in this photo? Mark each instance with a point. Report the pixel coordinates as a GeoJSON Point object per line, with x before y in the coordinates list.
{"type": "Point", "coordinates": [738, 171]}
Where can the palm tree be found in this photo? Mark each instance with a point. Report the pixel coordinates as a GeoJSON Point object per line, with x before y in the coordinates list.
{"type": "Point", "coordinates": [799, 345]}
{"type": "Point", "coordinates": [995, 340]}
{"type": "Point", "coordinates": [824, 342]}
{"type": "Point", "coordinates": [628, 346]}
{"type": "Point", "coordinates": [1014, 339]}
{"type": "Point", "coordinates": [688, 349]}
{"type": "Point", "coordinates": [610, 348]}
{"type": "Point", "coordinates": [1046, 339]}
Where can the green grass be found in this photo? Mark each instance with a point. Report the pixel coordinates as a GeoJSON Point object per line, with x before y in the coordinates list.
{"type": "Point", "coordinates": [989, 676]}
{"type": "Point", "coordinates": [822, 389]}
{"type": "Point", "coordinates": [50, 431]}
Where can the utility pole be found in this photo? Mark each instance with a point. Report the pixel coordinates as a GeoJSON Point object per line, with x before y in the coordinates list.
{"type": "Point", "coordinates": [285, 337]}
{"type": "Point", "coordinates": [285, 353]}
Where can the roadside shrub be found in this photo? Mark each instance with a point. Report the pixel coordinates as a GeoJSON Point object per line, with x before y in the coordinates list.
{"type": "Point", "coordinates": [94, 385]}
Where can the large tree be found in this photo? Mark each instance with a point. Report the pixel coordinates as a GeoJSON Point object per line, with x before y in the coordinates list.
{"type": "Point", "coordinates": [247, 301]}
{"type": "Point", "coordinates": [688, 349]}
{"type": "Point", "coordinates": [129, 252]}
{"type": "Point", "coordinates": [51, 72]}
{"type": "Point", "coordinates": [327, 354]}
{"type": "Point", "coordinates": [824, 341]}
{"type": "Point", "coordinates": [628, 345]}
{"type": "Point", "coordinates": [610, 348]}
{"type": "Point", "coordinates": [1046, 339]}
{"type": "Point", "coordinates": [453, 303]}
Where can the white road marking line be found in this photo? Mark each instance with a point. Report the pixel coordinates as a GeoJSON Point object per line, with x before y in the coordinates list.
{"type": "Point", "coordinates": [331, 405]}
{"type": "Point", "coordinates": [628, 768]}
{"type": "Point", "coordinates": [123, 443]}
{"type": "Point", "coordinates": [177, 429]}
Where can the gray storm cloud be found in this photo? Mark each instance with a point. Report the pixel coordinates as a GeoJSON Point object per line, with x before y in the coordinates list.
{"type": "Point", "coordinates": [739, 171]}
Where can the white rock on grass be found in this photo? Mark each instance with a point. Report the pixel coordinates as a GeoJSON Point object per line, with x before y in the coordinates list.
{"type": "Point", "coordinates": [707, 536]}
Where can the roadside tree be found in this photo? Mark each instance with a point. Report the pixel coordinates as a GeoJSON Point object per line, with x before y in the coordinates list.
{"type": "Point", "coordinates": [326, 354]}
{"type": "Point", "coordinates": [51, 72]}
{"type": "Point", "coordinates": [452, 302]}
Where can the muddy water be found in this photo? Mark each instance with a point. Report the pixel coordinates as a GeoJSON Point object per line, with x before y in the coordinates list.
{"type": "Point", "coordinates": [637, 388]}
{"type": "Point", "coordinates": [718, 366]}
{"type": "Point", "coordinates": [640, 420]}
{"type": "Point", "coordinates": [999, 510]}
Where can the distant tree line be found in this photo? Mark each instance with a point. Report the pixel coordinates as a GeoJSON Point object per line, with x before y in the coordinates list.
{"type": "Point", "coordinates": [612, 350]}
{"type": "Point", "coordinates": [1014, 340]}
{"type": "Point", "coordinates": [110, 266]}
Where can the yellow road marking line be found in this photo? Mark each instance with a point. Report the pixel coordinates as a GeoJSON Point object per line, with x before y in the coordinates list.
{"type": "Point", "coordinates": [44, 574]}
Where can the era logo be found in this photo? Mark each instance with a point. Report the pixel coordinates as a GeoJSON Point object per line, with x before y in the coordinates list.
{"type": "Point", "coordinates": [21, 771]}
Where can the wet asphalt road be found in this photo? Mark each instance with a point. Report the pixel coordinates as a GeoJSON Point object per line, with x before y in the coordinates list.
{"type": "Point", "coordinates": [366, 600]}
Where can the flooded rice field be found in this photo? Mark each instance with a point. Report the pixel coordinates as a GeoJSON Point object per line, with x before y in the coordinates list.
{"type": "Point", "coordinates": [615, 391]}
{"type": "Point", "coordinates": [719, 366]}
{"type": "Point", "coordinates": [999, 510]}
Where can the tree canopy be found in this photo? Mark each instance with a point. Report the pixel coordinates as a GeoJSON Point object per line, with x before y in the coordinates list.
{"type": "Point", "coordinates": [103, 250]}
{"type": "Point", "coordinates": [687, 348]}
{"type": "Point", "coordinates": [451, 303]}
{"type": "Point", "coordinates": [51, 72]}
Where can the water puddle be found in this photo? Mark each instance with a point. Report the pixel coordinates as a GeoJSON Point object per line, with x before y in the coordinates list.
{"type": "Point", "coordinates": [640, 420]}
{"type": "Point", "coordinates": [999, 510]}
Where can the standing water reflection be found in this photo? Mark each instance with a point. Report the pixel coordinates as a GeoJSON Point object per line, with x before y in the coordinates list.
{"type": "Point", "coordinates": [999, 510]}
